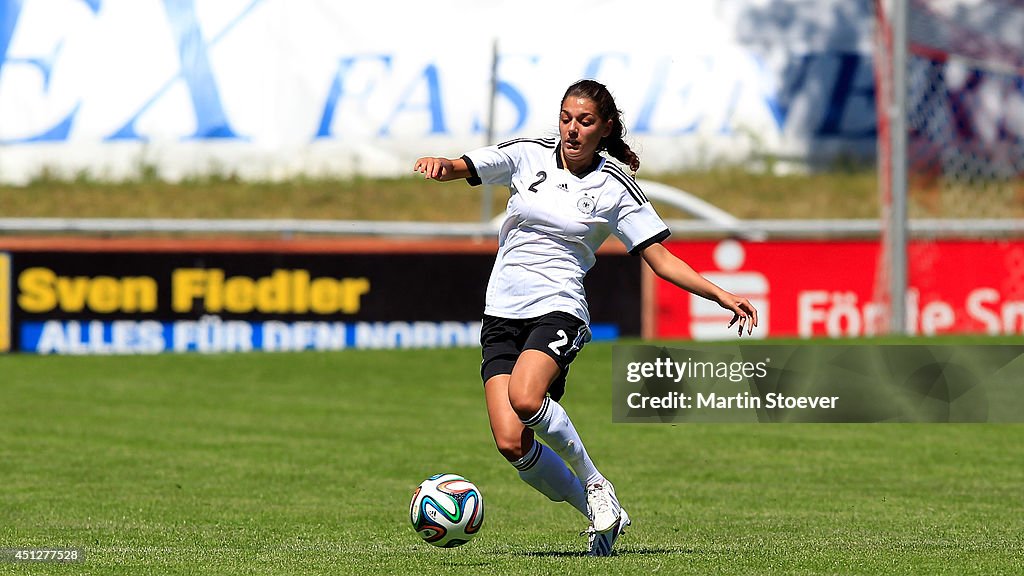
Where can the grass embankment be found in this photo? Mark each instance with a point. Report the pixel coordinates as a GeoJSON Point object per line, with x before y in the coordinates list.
{"type": "Point", "coordinates": [841, 193]}
{"type": "Point", "coordinates": [743, 194]}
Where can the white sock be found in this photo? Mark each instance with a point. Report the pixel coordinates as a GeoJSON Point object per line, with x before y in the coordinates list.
{"type": "Point", "coordinates": [548, 474]}
{"type": "Point", "coordinates": [553, 426]}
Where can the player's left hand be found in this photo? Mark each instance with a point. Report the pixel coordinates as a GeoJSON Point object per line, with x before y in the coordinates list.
{"type": "Point", "coordinates": [744, 312]}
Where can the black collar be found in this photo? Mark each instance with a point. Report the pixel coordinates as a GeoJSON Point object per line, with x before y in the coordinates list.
{"type": "Point", "coordinates": [593, 165]}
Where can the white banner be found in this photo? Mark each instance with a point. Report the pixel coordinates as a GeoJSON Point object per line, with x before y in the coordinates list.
{"type": "Point", "coordinates": [272, 89]}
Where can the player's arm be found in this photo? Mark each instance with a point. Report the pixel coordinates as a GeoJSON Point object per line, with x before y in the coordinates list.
{"type": "Point", "coordinates": [442, 169]}
{"type": "Point", "coordinates": [670, 268]}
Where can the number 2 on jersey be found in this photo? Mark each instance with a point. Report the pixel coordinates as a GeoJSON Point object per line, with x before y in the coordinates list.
{"type": "Point", "coordinates": [542, 175]}
{"type": "Point", "coordinates": [562, 341]}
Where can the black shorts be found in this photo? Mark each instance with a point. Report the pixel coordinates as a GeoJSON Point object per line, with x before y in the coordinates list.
{"type": "Point", "coordinates": [557, 334]}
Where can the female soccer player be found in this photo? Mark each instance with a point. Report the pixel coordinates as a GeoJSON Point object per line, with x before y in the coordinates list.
{"type": "Point", "coordinates": [566, 198]}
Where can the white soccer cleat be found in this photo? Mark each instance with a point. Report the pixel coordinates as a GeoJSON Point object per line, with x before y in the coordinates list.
{"type": "Point", "coordinates": [601, 543]}
{"type": "Point", "coordinates": [604, 506]}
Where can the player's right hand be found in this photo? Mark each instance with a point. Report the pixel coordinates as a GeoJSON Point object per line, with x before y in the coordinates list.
{"type": "Point", "coordinates": [434, 168]}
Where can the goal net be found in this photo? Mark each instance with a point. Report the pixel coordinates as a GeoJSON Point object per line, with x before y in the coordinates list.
{"type": "Point", "coordinates": [964, 106]}
{"type": "Point", "coordinates": [963, 99]}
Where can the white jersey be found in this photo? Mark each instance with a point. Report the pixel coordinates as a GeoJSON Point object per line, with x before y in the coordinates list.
{"type": "Point", "coordinates": [554, 223]}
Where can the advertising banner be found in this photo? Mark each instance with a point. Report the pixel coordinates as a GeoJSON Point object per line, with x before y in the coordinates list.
{"type": "Point", "coordinates": [136, 302]}
{"type": "Point", "coordinates": [269, 89]}
{"type": "Point", "coordinates": [827, 288]}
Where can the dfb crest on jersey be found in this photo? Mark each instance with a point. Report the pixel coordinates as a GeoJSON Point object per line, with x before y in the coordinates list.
{"type": "Point", "coordinates": [586, 205]}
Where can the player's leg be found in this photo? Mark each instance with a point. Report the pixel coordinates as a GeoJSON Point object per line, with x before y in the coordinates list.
{"type": "Point", "coordinates": [551, 346]}
{"type": "Point", "coordinates": [527, 389]}
{"type": "Point", "coordinates": [548, 352]}
{"type": "Point", "coordinates": [538, 466]}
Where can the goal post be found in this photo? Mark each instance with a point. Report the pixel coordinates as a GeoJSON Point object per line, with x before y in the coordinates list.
{"type": "Point", "coordinates": [891, 85]}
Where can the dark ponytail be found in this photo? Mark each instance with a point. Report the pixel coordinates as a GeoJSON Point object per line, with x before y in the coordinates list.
{"type": "Point", "coordinates": [598, 94]}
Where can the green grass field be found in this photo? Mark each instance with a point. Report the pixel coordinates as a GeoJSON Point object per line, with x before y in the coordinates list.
{"type": "Point", "coordinates": [304, 464]}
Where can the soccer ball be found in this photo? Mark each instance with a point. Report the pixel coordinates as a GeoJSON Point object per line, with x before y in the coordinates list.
{"type": "Point", "coordinates": [447, 510]}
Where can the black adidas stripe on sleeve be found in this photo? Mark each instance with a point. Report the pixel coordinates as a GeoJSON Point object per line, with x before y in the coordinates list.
{"type": "Point", "coordinates": [627, 182]}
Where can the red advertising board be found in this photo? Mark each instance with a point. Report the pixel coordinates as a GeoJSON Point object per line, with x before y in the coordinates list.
{"type": "Point", "coordinates": [828, 288]}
